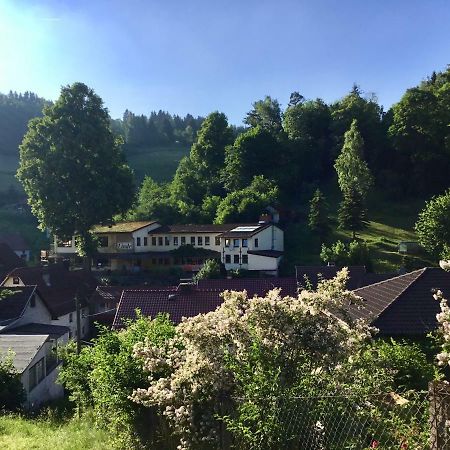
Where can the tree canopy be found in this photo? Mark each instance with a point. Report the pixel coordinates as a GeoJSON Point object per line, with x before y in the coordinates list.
{"type": "Point", "coordinates": [72, 167]}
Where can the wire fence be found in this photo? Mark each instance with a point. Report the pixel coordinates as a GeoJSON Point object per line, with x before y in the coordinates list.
{"type": "Point", "coordinates": [413, 421]}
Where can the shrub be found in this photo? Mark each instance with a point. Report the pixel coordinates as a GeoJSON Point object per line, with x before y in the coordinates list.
{"type": "Point", "coordinates": [11, 390]}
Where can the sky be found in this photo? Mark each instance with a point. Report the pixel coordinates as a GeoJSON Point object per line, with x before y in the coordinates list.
{"type": "Point", "coordinates": [199, 56]}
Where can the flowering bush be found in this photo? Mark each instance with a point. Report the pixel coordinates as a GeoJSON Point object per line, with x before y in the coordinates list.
{"type": "Point", "coordinates": [443, 318]}
{"type": "Point", "coordinates": [251, 351]}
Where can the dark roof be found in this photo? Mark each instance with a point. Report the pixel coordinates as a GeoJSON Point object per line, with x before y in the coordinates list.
{"type": "Point", "coordinates": [108, 294]}
{"type": "Point", "coordinates": [266, 253]}
{"type": "Point", "coordinates": [62, 288]}
{"type": "Point", "coordinates": [176, 303]}
{"type": "Point", "coordinates": [54, 331]}
{"type": "Point", "coordinates": [194, 228]}
{"type": "Point", "coordinates": [404, 305]}
{"type": "Point", "coordinates": [12, 306]}
{"type": "Point", "coordinates": [122, 227]}
{"type": "Point", "coordinates": [253, 286]}
{"type": "Point", "coordinates": [358, 277]}
{"type": "Point", "coordinates": [25, 348]}
{"type": "Point", "coordinates": [245, 234]}
{"type": "Point", "coordinates": [193, 300]}
{"type": "Point", "coordinates": [8, 260]}
{"type": "Point", "coordinates": [14, 240]}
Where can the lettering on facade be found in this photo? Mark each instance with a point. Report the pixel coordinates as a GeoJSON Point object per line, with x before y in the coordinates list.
{"type": "Point", "coordinates": [125, 246]}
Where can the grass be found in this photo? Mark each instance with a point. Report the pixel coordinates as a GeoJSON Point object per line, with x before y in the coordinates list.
{"type": "Point", "coordinates": [20, 433]}
{"type": "Point", "coordinates": [160, 163]}
{"type": "Point", "coordinates": [391, 222]}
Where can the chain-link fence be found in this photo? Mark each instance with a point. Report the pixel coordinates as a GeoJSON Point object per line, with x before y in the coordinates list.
{"type": "Point", "coordinates": [413, 421]}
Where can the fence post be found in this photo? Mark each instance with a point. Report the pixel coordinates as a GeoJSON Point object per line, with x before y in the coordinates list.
{"type": "Point", "coordinates": [439, 393]}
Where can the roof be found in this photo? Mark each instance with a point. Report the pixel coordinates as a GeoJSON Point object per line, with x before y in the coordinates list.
{"type": "Point", "coordinates": [107, 294]}
{"type": "Point", "coordinates": [122, 227]}
{"type": "Point", "coordinates": [14, 240]}
{"type": "Point", "coordinates": [193, 228]}
{"type": "Point", "coordinates": [240, 232]}
{"type": "Point", "coordinates": [8, 260]}
{"type": "Point", "coordinates": [266, 253]}
{"type": "Point", "coordinates": [53, 331]}
{"type": "Point", "coordinates": [24, 347]}
{"type": "Point", "coordinates": [59, 293]}
{"type": "Point", "coordinates": [12, 306]}
{"type": "Point", "coordinates": [358, 277]}
{"type": "Point", "coordinates": [404, 305]}
{"type": "Point", "coordinates": [193, 300]}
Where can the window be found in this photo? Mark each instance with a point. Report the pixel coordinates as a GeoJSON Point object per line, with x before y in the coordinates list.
{"type": "Point", "coordinates": [227, 259]}
{"type": "Point", "coordinates": [183, 240]}
{"type": "Point", "coordinates": [153, 240]}
{"type": "Point", "coordinates": [192, 240]}
{"type": "Point", "coordinates": [175, 240]}
{"type": "Point", "coordinates": [244, 259]}
{"type": "Point", "coordinates": [160, 261]}
{"type": "Point", "coordinates": [145, 242]}
{"type": "Point", "coordinates": [217, 240]}
{"type": "Point", "coordinates": [236, 259]}
{"type": "Point", "coordinates": [256, 243]}
{"type": "Point", "coordinates": [16, 280]}
{"type": "Point", "coordinates": [138, 241]}
{"type": "Point", "coordinates": [103, 241]}
{"type": "Point", "coordinates": [244, 242]}
{"type": "Point", "coordinates": [235, 243]}
{"type": "Point", "coordinates": [36, 374]}
{"type": "Point", "coordinates": [160, 240]}
{"type": "Point", "coordinates": [167, 240]}
{"type": "Point", "coordinates": [227, 242]}
{"type": "Point", "coordinates": [70, 317]}
{"type": "Point", "coordinates": [207, 240]}
{"type": "Point", "coordinates": [199, 240]}
{"type": "Point", "coordinates": [33, 301]}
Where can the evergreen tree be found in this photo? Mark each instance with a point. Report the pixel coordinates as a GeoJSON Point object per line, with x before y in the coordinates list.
{"type": "Point", "coordinates": [318, 219]}
{"type": "Point", "coordinates": [352, 212]}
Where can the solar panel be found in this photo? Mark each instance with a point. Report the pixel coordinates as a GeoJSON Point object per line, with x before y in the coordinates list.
{"type": "Point", "coordinates": [245, 229]}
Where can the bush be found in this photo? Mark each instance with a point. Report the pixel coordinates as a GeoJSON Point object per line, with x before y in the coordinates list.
{"type": "Point", "coordinates": [210, 269]}
{"type": "Point", "coordinates": [11, 390]}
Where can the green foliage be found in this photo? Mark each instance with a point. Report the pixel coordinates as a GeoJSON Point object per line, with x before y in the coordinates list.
{"type": "Point", "coordinates": [352, 213]}
{"type": "Point", "coordinates": [318, 219]}
{"type": "Point", "coordinates": [352, 171]}
{"type": "Point", "coordinates": [210, 269]}
{"type": "Point", "coordinates": [103, 376]}
{"type": "Point", "coordinates": [247, 204]}
{"type": "Point", "coordinates": [12, 393]}
{"type": "Point", "coordinates": [265, 114]}
{"type": "Point", "coordinates": [433, 226]}
{"type": "Point", "coordinates": [71, 165]}
{"type": "Point", "coordinates": [355, 253]}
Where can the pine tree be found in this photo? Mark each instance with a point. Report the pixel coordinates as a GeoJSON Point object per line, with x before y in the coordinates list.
{"type": "Point", "coordinates": [318, 220]}
{"type": "Point", "coordinates": [352, 212]}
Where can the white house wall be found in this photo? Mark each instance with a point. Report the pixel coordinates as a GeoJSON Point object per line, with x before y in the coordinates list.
{"type": "Point", "coordinates": [72, 325]}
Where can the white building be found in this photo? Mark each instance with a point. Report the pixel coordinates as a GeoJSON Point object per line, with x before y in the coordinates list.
{"type": "Point", "coordinates": [142, 245]}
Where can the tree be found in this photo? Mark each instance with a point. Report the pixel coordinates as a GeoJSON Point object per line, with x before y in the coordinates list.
{"type": "Point", "coordinates": [11, 390]}
{"type": "Point", "coordinates": [433, 226]}
{"type": "Point", "coordinates": [72, 168]}
{"type": "Point", "coordinates": [352, 213]}
{"type": "Point", "coordinates": [210, 270]}
{"type": "Point", "coordinates": [353, 173]}
{"type": "Point", "coordinates": [265, 114]}
{"type": "Point", "coordinates": [318, 220]}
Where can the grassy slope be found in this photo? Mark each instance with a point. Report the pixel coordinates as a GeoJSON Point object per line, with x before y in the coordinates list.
{"type": "Point", "coordinates": [18, 433]}
{"type": "Point", "coordinates": [391, 222]}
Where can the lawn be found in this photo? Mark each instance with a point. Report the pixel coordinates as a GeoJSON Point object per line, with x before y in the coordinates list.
{"type": "Point", "coordinates": [160, 163]}
{"type": "Point", "coordinates": [19, 433]}
{"type": "Point", "coordinates": [390, 223]}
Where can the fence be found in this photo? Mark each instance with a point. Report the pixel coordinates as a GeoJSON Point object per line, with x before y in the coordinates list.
{"type": "Point", "coordinates": [413, 421]}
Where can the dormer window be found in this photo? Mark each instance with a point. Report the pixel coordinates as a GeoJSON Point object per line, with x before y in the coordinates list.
{"type": "Point", "coordinates": [16, 280]}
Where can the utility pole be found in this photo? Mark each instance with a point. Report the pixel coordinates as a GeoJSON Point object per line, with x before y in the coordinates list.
{"type": "Point", "coordinates": [78, 312]}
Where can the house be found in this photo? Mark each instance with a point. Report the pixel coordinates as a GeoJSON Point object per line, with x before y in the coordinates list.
{"type": "Point", "coordinates": [403, 305]}
{"type": "Point", "coordinates": [190, 299]}
{"type": "Point", "coordinates": [139, 246]}
{"type": "Point", "coordinates": [17, 243]}
{"type": "Point", "coordinates": [8, 260]}
{"type": "Point", "coordinates": [27, 332]}
{"type": "Point", "coordinates": [59, 287]}
{"type": "Point", "coordinates": [358, 276]}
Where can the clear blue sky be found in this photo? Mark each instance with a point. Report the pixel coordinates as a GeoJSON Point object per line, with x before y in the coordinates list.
{"type": "Point", "coordinates": [198, 56]}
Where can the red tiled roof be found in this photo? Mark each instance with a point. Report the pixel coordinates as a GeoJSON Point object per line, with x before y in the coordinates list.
{"type": "Point", "coordinates": [64, 285]}
{"type": "Point", "coordinates": [179, 303]}
{"type": "Point", "coordinates": [14, 240]}
{"type": "Point", "coordinates": [404, 305]}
